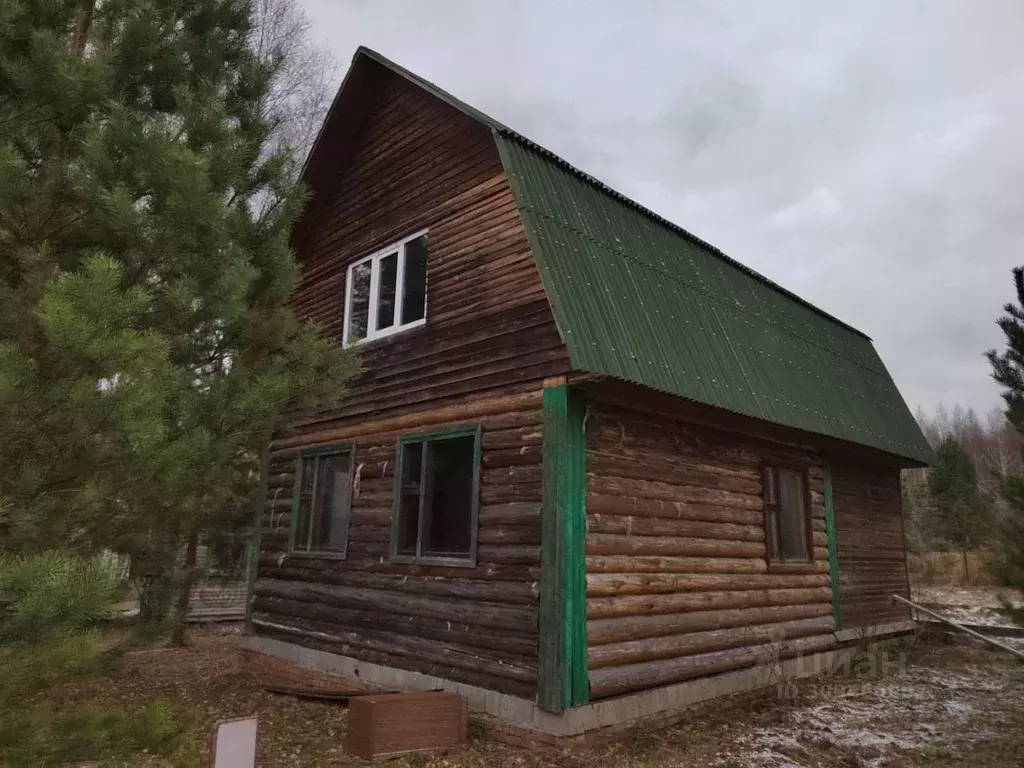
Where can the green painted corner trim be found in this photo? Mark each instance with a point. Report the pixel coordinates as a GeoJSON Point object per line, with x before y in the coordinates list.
{"type": "Point", "coordinates": [574, 562]}
{"type": "Point", "coordinates": [833, 550]}
{"type": "Point", "coordinates": [563, 681]}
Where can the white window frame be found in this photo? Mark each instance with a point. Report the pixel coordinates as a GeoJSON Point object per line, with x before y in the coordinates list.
{"type": "Point", "coordinates": [371, 321]}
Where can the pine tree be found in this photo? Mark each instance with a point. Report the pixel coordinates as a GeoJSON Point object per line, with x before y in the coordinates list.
{"type": "Point", "coordinates": [1008, 371]}
{"type": "Point", "coordinates": [960, 514]}
{"type": "Point", "coordinates": [51, 605]}
{"type": "Point", "coordinates": [147, 351]}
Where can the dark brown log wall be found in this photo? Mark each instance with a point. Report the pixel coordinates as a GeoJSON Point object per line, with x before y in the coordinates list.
{"type": "Point", "coordinates": [476, 625]}
{"type": "Point", "coordinates": [871, 548]}
{"type": "Point", "coordinates": [677, 582]}
{"type": "Point", "coordinates": [488, 344]}
{"type": "Point", "coordinates": [418, 163]}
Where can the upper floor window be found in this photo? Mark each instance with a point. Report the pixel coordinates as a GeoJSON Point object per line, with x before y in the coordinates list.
{"type": "Point", "coordinates": [386, 292]}
{"type": "Point", "coordinates": [787, 515]}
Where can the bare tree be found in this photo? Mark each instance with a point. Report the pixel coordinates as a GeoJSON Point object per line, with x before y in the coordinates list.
{"type": "Point", "coordinates": [942, 422]}
{"type": "Point", "coordinates": [927, 426]}
{"type": "Point", "coordinates": [302, 91]}
{"type": "Point", "coordinates": [1003, 454]}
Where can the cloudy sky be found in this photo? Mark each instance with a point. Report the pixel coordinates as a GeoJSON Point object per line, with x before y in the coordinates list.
{"type": "Point", "coordinates": [868, 156]}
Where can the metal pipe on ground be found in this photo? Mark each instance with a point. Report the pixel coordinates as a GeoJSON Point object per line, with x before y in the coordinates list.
{"type": "Point", "coordinates": [961, 627]}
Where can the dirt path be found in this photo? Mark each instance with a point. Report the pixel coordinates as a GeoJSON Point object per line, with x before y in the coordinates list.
{"type": "Point", "coordinates": [939, 705]}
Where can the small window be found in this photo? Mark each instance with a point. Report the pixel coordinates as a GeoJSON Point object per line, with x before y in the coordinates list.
{"type": "Point", "coordinates": [437, 490]}
{"type": "Point", "coordinates": [787, 515]}
{"type": "Point", "coordinates": [323, 497]}
{"type": "Point", "coordinates": [387, 291]}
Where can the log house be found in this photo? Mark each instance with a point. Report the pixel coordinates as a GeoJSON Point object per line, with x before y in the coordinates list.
{"type": "Point", "coordinates": [590, 459]}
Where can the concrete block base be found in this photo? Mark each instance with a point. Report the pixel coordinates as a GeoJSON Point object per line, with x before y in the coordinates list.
{"type": "Point", "coordinates": [518, 720]}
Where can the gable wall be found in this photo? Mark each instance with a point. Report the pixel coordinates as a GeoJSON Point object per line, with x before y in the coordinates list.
{"type": "Point", "coordinates": [418, 163]}
{"type": "Point", "coordinates": [488, 343]}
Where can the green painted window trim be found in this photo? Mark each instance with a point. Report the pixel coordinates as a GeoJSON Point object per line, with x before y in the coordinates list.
{"type": "Point", "coordinates": [833, 550]}
{"type": "Point", "coordinates": [452, 562]}
{"type": "Point", "coordinates": [321, 554]}
{"type": "Point", "coordinates": [563, 680]}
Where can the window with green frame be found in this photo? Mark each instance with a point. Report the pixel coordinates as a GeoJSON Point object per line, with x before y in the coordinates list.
{"type": "Point", "coordinates": [323, 498]}
{"type": "Point", "coordinates": [437, 498]}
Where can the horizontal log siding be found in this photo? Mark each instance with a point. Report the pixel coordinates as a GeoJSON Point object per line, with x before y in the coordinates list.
{"type": "Point", "coordinates": [476, 625]}
{"type": "Point", "coordinates": [871, 548]}
{"type": "Point", "coordinates": [677, 582]}
{"type": "Point", "coordinates": [417, 163]}
{"type": "Point", "coordinates": [488, 344]}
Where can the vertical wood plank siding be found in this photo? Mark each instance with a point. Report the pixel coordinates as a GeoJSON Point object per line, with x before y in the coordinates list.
{"type": "Point", "coordinates": [488, 343]}
{"type": "Point", "coordinates": [677, 582]}
{"type": "Point", "coordinates": [871, 547]}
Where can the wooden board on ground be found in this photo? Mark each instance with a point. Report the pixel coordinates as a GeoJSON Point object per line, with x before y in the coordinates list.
{"type": "Point", "coordinates": [316, 692]}
{"type": "Point", "coordinates": [396, 723]}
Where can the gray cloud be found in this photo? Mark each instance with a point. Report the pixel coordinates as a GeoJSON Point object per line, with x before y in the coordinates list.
{"type": "Point", "coordinates": [868, 156]}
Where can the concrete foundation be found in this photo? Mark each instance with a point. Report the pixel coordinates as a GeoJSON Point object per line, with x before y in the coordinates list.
{"type": "Point", "coordinates": [654, 706]}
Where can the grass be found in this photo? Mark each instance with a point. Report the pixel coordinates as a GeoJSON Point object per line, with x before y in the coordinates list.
{"type": "Point", "coordinates": [947, 569]}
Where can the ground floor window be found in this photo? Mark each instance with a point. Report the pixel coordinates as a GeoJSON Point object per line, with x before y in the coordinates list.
{"type": "Point", "coordinates": [437, 491]}
{"type": "Point", "coordinates": [323, 482]}
{"type": "Point", "coordinates": [787, 515]}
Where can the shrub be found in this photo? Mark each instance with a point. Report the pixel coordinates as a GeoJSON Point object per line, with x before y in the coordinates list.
{"type": "Point", "coordinates": [51, 607]}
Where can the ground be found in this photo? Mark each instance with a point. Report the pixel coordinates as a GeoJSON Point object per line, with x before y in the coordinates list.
{"type": "Point", "coordinates": [968, 604]}
{"type": "Point", "coordinates": [930, 703]}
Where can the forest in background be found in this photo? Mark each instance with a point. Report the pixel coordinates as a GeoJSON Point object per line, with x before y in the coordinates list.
{"type": "Point", "coordinates": [956, 506]}
{"type": "Point", "coordinates": [961, 521]}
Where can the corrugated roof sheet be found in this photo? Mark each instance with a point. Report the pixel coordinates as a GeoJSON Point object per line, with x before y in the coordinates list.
{"type": "Point", "coordinates": [638, 298]}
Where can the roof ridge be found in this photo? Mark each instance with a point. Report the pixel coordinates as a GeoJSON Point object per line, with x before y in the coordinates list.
{"type": "Point", "coordinates": [496, 125]}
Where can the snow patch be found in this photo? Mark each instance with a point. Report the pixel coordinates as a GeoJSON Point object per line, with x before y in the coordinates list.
{"type": "Point", "coordinates": [958, 708]}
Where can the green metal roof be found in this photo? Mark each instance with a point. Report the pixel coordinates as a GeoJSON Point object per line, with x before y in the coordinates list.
{"type": "Point", "coordinates": [638, 298]}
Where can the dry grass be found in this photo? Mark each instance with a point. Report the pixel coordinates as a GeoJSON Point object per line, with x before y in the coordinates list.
{"type": "Point", "coordinates": [947, 569]}
{"type": "Point", "coordinates": [948, 704]}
